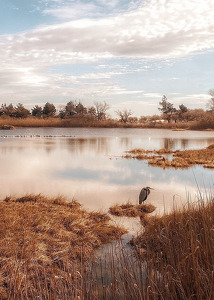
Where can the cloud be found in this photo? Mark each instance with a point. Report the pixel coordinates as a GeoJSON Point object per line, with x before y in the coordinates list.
{"type": "Point", "coordinates": [191, 101]}
{"type": "Point", "coordinates": [138, 108]}
{"type": "Point", "coordinates": [157, 30]}
{"type": "Point", "coordinates": [75, 11]}
{"type": "Point", "coordinates": [24, 84]}
{"type": "Point", "coordinates": [152, 95]}
{"type": "Point", "coordinates": [150, 101]}
{"type": "Point", "coordinates": [70, 10]}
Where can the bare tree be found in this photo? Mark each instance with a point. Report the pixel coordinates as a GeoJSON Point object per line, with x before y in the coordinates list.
{"type": "Point", "coordinates": [210, 104]}
{"type": "Point", "coordinates": [124, 115]}
{"type": "Point", "coordinates": [100, 110]}
{"type": "Point", "coordinates": [92, 112]}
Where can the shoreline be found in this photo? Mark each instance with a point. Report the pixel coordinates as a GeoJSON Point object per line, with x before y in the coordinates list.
{"type": "Point", "coordinates": [47, 252]}
{"type": "Point", "coordinates": [105, 127]}
{"type": "Point", "coordinates": [12, 123]}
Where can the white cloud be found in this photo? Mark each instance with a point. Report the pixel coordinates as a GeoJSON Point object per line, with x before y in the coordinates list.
{"type": "Point", "coordinates": [192, 101]}
{"type": "Point", "coordinates": [158, 30]}
{"type": "Point", "coordinates": [23, 85]}
{"type": "Point", "coordinates": [152, 95]}
{"type": "Point", "coordinates": [73, 10]}
{"type": "Point", "coordinates": [104, 75]}
{"type": "Point", "coordinates": [138, 108]}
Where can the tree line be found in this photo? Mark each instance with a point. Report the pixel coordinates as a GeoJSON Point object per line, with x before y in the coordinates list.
{"type": "Point", "coordinates": [98, 111]}
{"type": "Point", "coordinates": [170, 113]}
{"type": "Point", "coordinates": [72, 109]}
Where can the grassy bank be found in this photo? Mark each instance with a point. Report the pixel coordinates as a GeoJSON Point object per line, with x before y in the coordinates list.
{"type": "Point", "coordinates": [45, 245]}
{"type": "Point", "coordinates": [172, 258]}
{"type": "Point", "coordinates": [65, 123]}
{"type": "Point", "coordinates": [110, 123]}
{"type": "Point", "coordinates": [179, 253]}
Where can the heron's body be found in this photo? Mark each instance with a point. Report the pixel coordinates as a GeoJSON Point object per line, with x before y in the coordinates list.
{"type": "Point", "coordinates": [144, 193]}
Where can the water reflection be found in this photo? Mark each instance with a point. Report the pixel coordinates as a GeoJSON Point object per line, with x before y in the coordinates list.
{"type": "Point", "coordinates": [184, 144]}
{"type": "Point", "coordinates": [125, 143]}
{"type": "Point", "coordinates": [97, 145]}
{"type": "Point", "coordinates": [87, 166]}
{"type": "Point", "coordinates": [168, 143]}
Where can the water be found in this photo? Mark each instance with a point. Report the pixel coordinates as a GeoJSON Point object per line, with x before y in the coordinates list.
{"type": "Point", "coordinates": [86, 164]}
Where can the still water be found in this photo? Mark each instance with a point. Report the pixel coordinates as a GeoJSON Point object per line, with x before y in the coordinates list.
{"type": "Point", "coordinates": [86, 164]}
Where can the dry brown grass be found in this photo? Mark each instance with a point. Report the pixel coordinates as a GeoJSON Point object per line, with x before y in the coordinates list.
{"type": "Point", "coordinates": [44, 244]}
{"type": "Point", "coordinates": [86, 121]}
{"type": "Point", "coordinates": [131, 210]}
{"type": "Point", "coordinates": [178, 249]}
{"type": "Point", "coordinates": [174, 259]}
{"type": "Point", "coordinates": [181, 159]}
{"type": "Point", "coordinates": [9, 123]}
{"type": "Point", "coordinates": [30, 122]}
{"type": "Point", "coordinates": [204, 157]}
{"type": "Point", "coordinates": [109, 123]}
{"type": "Point", "coordinates": [204, 123]}
{"type": "Point", "coordinates": [174, 255]}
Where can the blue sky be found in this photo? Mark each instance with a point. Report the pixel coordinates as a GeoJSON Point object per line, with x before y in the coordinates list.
{"type": "Point", "coordinates": [127, 53]}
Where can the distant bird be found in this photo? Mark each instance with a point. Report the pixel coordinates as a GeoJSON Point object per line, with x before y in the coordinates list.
{"type": "Point", "coordinates": [144, 193]}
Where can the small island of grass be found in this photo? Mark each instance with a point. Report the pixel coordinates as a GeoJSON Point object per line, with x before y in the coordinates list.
{"type": "Point", "coordinates": [131, 210]}
{"type": "Point", "coordinates": [180, 159]}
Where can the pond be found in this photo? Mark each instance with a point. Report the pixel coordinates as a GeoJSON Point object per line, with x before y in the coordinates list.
{"type": "Point", "coordinates": [86, 164]}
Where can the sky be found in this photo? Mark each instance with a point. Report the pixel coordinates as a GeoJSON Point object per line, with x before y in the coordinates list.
{"type": "Point", "coordinates": [126, 53]}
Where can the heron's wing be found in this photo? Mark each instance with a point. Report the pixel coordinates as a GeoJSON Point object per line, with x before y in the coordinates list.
{"type": "Point", "coordinates": [142, 196]}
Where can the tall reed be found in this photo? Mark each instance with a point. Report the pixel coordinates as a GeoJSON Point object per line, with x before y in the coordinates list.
{"type": "Point", "coordinates": [45, 244]}
{"type": "Point", "coordinates": [174, 259]}
{"type": "Point", "coordinates": [109, 123]}
{"type": "Point", "coordinates": [46, 247]}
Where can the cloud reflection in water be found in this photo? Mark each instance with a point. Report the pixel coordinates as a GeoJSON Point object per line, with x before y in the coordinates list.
{"type": "Point", "coordinates": [87, 166]}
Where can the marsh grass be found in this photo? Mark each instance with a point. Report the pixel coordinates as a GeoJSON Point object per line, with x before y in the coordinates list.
{"type": "Point", "coordinates": [117, 275]}
{"type": "Point", "coordinates": [205, 123]}
{"type": "Point", "coordinates": [6, 123]}
{"type": "Point", "coordinates": [30, 122]}
{"type": "Point", "coordinates": [46, 248]}
{"type": "Point", "coordinates": [45, 244]}
{"type": "Point", "coordinates": [109, 123]}
{"type": "Point", "coordinates": [178, 249]}
{"type": "Point", "coordinates": [131, 210]}
{"type": "Point", "coordinates": [173, 258]}
{"type": "Point", "coordinates": [180, 159]}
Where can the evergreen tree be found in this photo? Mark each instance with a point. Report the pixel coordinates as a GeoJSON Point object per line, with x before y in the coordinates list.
{"type": "Point", "coordinates": [49, 110]}
{"type": "Point", "coordinates": [37, 111]}
{"type": "Point", "coordinates": [166, 108]}
{"type": "Point", "coordinates": [21, 112]}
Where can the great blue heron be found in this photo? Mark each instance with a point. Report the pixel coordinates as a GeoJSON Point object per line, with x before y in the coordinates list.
{"type": "Point", "coordinates": [144, 193]}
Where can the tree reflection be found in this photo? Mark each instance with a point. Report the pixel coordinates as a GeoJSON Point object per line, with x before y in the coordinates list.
{"type": "Point", "coordinates": [84, 145]}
